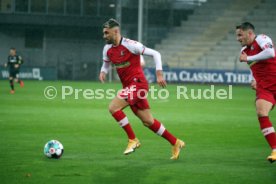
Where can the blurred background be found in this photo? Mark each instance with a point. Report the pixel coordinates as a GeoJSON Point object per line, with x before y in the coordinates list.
{"type": "Point", "coordinates": [62, 39]}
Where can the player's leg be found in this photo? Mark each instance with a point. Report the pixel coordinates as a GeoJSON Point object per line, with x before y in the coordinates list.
{"type": "Point", "coordinates": [21, 83]}
{"type": "Point", "coordinates": [18, 80]}
{"type": "Point", "coordinates": [153, 124]}
{"type": "Point", "coordinates": [263, 108]}
{"type": "Point", "coordinates": [115, 108]}
{"type": "Point", "coordinates": [11, 83]}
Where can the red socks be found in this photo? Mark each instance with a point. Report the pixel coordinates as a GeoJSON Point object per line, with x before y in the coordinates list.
{"type": "Point", "coordinates": [159, 129]}
{"type": "Point", "coordinates": [123, 122]}
{"type": "Point", "coordinates": [156, 127]}
{"type": "Point", "coordinates": [268, 131]}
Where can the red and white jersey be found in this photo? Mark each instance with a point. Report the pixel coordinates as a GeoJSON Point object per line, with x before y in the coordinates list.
{"type": "Point", "coordinates": [126, 59]}
{"type": "Point", "coordinates": [264, 71]}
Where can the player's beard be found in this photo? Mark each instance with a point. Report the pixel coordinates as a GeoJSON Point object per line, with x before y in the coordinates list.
{"type": "Point", "coordinates": [243, 44]}
{"type": "Point", "coordinates": [109, 41]}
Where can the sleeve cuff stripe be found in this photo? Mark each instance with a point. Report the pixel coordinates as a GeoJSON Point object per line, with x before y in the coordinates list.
{"type": "Point", "coordinates": [143, 51]}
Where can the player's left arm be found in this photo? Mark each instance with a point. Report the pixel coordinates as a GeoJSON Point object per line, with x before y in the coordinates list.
{"type": "Point", "coordinates": [267, 49]}
{"type": "Point", "coordinates": [142, 61]}
{"type": "Point", "coordinates": [20, 61]}
{"type": "Point", "coordinates": [138, 48]}
{"type": "Point", "coordinates": [158, 63]}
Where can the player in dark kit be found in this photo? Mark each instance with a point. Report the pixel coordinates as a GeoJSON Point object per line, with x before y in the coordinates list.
{"type": "Point", "coordinates": [125, 55]}
{"type": "Point", "coordinates": [259, 53]}
{"type": "Point", "coordinates": [14, 63]}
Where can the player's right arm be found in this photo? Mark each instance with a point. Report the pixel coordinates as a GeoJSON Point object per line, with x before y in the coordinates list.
{"type": "Point", "coordinates": [253, 81]}
{"type": "Point", "coordinates": [106, 64]}
{"type": "Point", "coordinates": [7, 63]}
{"type": "Point", "coordinates": [104, 71]}
{"type": "Point", "coordinates": [253, 84]}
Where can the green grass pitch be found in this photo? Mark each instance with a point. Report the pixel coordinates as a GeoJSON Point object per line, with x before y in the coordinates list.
{"type": "Point", "coordinates": [224, 143]}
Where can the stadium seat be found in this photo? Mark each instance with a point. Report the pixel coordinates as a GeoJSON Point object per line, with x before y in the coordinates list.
{"type": "Point", "coordinates": [207, 39]}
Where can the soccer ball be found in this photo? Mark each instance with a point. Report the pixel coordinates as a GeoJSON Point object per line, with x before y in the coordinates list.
{"type": "Point", "coordinates": [53, 149]}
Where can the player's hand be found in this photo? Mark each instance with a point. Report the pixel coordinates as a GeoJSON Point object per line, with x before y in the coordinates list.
{"type": "Point", "coordinates": [243, 57]}
{"type": "Point", "coordinates": [5, 65]}
{"type": "Point", "coordinates": [160, 79]}
{"type": "Point", "coordinates": [16, 66]}
{"type": "Point", "coordinates": [254, 84]}
{"type": "Point", "coordinates": [102, 77]}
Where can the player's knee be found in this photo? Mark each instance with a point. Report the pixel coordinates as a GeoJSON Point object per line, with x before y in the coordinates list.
{"type": "Point", "coordinates": [262, 112]}
{"type": "Point", "coordinates": [147, 122]}
{"type": "Point", "coordinates": [112, 109]}
{"type": "Point", "coordinates": [263, 107]}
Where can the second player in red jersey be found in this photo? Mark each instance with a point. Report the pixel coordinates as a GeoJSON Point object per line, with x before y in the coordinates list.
{"type": "Point", "coordinates": [259, 53]}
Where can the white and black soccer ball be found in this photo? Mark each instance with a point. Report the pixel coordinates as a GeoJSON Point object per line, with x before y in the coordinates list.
{"type": "Point", "coordinates": [53, 149]}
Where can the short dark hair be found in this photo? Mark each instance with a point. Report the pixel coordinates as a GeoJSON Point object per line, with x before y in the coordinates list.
{"type": "Point", "coordinates": [111, 23]}
{"type": "Point", "coordinates": [246, 26]}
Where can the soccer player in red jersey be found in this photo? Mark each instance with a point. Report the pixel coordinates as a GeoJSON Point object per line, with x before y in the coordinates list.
{"type": "Point", "coordinates": [259, 53]}
{"type": "Point", "coordinates": [124, 54]}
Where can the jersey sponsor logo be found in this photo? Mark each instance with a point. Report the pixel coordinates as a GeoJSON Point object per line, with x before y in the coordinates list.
{"type": "Point", "coordinates": [122, 65]}
{"type": "Point", "coordinates": [12, 59]}
{"type": "Point", "coordinates": [252, 47]}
